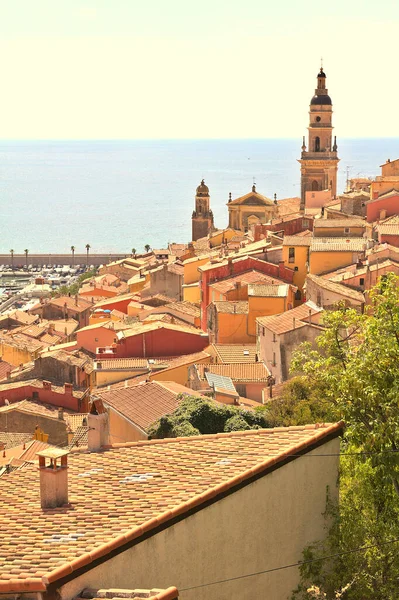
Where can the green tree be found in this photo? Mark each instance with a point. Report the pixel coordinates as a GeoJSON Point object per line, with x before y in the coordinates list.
{"type": "Point", "coordinates": [356, 371]}
{"type": "Point", "coordinates": [26, 251]}
{"type": "Point", "coordinates": [73, 255]}
{"type": "Point", "coordinates": [87, 253]}
{"type": "Point", "coordinates": [196, 415]}
{"type": "Point", "coordinates": [147, 247]}
{"type": "Point", "coordinates": [12, 258]}
{"type": "Point", "coordinates": [134, 251]}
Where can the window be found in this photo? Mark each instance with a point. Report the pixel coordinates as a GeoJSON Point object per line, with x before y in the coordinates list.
{"type": "Point", "coordinates": [274, 359]}
{"type": "Point", "coordinates": [291, 255]}
{"type": "Point", "coordinates": [362, 281]}
{"type": "Point", "coordinates": [305, 223]}
{"type": "Point", "coordinates": [263, 331]}
{"type": "Point", "coordinates": [318, 301]}
{"type": "Point", "coordinates": [317, 144]}
{"type": "Point", "coordinates": [274, 337]}
{"type": "Point", "coordinates": [347, 230]}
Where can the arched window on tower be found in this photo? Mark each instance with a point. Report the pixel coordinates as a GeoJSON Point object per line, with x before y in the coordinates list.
{"type": "Point", "coordinates": [317, 144]}
{"type": "Point", "coordinates": [315, 186]}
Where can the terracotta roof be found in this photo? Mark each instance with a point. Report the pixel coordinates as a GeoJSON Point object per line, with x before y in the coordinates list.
{"type": "Point", "coordinates": [287, 206]}
{"type": "Point", "coordinates": [139, 328]}
{"type": "Point", "coordinates": [336, 288]}
{"type": "Point", "coordinates": [185, 307]}
{"type": "Point", "coordinates": [296, 240]}
{"type": "Point", "coordinates": [238, 307]}
{"type": "Point", "coordinates": [230, 283]}
{"type": "Point", "coordinates": [268, 291]}
{"type": "Point", "coordinates": [19, 340]}
{"type": "Point", "coordinates": [32, 407]}
{"type": "Point", "coordinates": [331, 223]}
{"type": "Point", "coordinates": [144, 403]}
{"type": "Point", "coordinates": [338, 244]}
{"type": "Point", "coordinates": [388, 227]}
{"type": "Point", "coordinates": [284, 322]}
{"type": "Point", "coordinates": [22, 317]}
{"type": "Point", "coordinates": [119, 364]}
{"type": "Point", "coordinates": [235, 353]}
{"type": "Point", "coordinates": [81, 305]}
{"type": "Point", "coordinates": [10, 440]}
{"type": "Point", "coordinates": [27, 453]}
{"type": "Point", "coordinates": [5, 368]}
{"type": "Point", "coordinates": [390, 194]}
{"type": "Point", "coordinates": [142, 484]}
{"type": "Point", "coordinates": [37, 383]}
{"type": "Point", "coordinates": [79, 360]}
{"type": "Point", "coordinates": [51, 340]}
{"type": "Point", "coordinates": [256, 371]}
{"type": "Point", "coordinates": [179, 361]}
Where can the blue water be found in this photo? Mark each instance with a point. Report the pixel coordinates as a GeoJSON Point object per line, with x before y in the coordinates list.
{"type": "Point", "coordinates": [116, 195]}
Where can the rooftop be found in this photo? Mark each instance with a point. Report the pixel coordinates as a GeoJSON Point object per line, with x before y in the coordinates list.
{"type": "Point", "coordinates": [241, 279]}
{"type": "Point", "coordinates": [268, 291]}
{"type": "Point", "coordinates": [291, 319]}
{"type": "Point", "coordinates": [256, 371]}
{"type": "Point", "coordinates": [339, 223]}
{"type": "Point", "coordinates": [235, 353]}
{"type": "Point", "coordinates": [338, 244]}
{"type": "Point", "coordinates": [337, 288]}
{"type": "Point", "coordinates": [70, 302]}
{"type": "Point", "coordinates": [296, 240]}
{"type": "Point", "coordinates": [239, 307]}
{"type": "Point", "coordinates": [142, 484]}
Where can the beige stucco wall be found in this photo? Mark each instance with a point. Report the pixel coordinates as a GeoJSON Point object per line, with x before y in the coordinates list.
{"type": "Point", "coordinates": [107, 377]}
{"type": "Point", "coordinates": [262, 526]}
{"type": "Point", "coordinates": [121, 430]}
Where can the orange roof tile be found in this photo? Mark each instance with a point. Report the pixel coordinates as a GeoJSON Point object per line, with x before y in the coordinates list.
{"type": "Point", "coordinates": [80, 306]}
{"type": "Point", "coordinates": [5, 368]}
{"type": "Point", "coordinates": [146, 402]}
{"type": "Point", "coordinates": [256, 371]}
{"type": "Point", "coordinates": [225, 285]}
{"type": "Point", "coordinates": [36, 383]}
{"type": "Point", "coordinates": [235, 353]}
{"type": "Point", "coordinates": [146, 484]}
{"type": "Point", "coordinates": [291, 319]}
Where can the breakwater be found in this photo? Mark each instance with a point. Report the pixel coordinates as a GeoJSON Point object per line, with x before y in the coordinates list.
{"type": "Point", "coordinates": [39, 260]}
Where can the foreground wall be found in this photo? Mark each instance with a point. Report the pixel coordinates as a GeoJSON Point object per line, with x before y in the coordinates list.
{"type": "Point", "coordinates": [259, 527]}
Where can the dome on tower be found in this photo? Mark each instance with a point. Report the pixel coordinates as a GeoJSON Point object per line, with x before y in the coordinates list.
{"type": "Point", "coordinates": [322, 99]}
{"type": "Point", "coordinates": [321, 74]}
{"type": "Point", "coordinates": [202, 189]}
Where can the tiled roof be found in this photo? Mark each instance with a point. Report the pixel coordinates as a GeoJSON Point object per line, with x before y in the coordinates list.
{"type": "Point", "coordinates": [5, 368]}
{"type": "Point", "coordinates": [330, 223]}
{"type": "Point", "coordinates": [22, 317]}
{"type": "Point", "coordinates": [74, 420]}
{"type": "Point", "coordinates": [142, 485]}
{"type": "Point", "coordinates": [338, 244]}
{"type": "Point", "coordinates": [239, 307]}
{"type": "Point", "coordinates": [284, 322]}
{"type": "Point", "coordinates": [81, 305]}
{"type": "Point", "coordinates": [37, 383]}
{"type": "Point", "coordinates": [146, 402]}
{"type": "Point", "coordinates": [119, 364]}
{"type": "Point", "coordinates": [235, 353]}
{"type": "Point", "coordinates": [287, 206]}
{"type": "Point", "coordinates": [139, 328]}
{"type": "Point", "coordinates": [390, 194]}
{"type": "Point", "coordinates": [25, 452]}
{"type": "Point", "coordinates": [248, 197]}
{"type": "Point", "coordinates": [268, 291]}
{"type": "Point", "coordinates": [180, 361]}
{"type": "Point", "coordinates": [77, 360]}
{"type": "Point", "coordinates": [295, 240]}
{"type": "Point", "coordinates": [336, 288]}
{"type": "Point", "coordinates": [388, 228]}
{"type": "Point", "coordinates": [185, 307]}
{"type": "Point", "coordinates": [256, 371]}
{"type": "Point", "coordinates": [10, 440]}
{"type": "Point", "coordinates": [19, 340]}
{"type": "Point", "coordinates": [229, 283]}
{"type": "Point", "coordinates": [32, 407]}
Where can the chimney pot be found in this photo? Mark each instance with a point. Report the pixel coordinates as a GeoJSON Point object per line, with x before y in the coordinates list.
{"type": "Point", "coordinates": [53, 477]}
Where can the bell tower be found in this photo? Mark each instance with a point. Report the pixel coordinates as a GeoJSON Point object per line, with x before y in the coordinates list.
{"type": "Point", "coordinates": [319, 161]}
{"type": "Point", "coordinates": [202, 218]}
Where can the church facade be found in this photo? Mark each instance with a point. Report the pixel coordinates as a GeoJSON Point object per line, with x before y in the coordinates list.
{"type": "Point", "coordinates": [319, 160]}
{"type": "Point", "coordinates": [250, 209]}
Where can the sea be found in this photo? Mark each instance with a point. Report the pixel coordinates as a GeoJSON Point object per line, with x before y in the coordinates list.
{"type": "Point", "coordinates": [119, 195]}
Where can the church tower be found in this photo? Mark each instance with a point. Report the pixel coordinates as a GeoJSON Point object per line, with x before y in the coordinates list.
{"type": "Point", "coordinates": [319, 162]}
{"type": "Point", "coordinates": [202, 219]}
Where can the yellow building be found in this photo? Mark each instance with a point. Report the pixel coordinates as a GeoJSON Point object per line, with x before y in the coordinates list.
{"type": "Point", "coordinates": [223, 236]}
{"type": "Point", "coordinates": [296, 256]}
{"type": "Point", "coordinates": [177, 368]}
{"type": "Point", "coordinates": [319, 163]}
{"type": "Point", "coordinates": [265, 300]}
{"type": "Point", "coordinates": [387, 181]}
{"type": "Point", "coordinates": [329, 254]}
{"type": "Point", "coordinates": [328, 228]}
{"type": "Point", "coordinates": [191, 277]}
{"type": "Point", "coordinates": [250, 209]}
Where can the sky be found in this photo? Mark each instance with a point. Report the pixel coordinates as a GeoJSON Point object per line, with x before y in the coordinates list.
{"type": "Point", "coordinates": [162, 69]}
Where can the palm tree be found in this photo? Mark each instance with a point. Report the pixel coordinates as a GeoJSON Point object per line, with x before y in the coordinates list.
{"type": "Point", "coordinates": [26, 256]}
{"type": "Point", "coordinates": [87, 254]}
{"type": "Point", "coordinates": [147, 247]}
{"type": "Point", "coordinates": [73, 255]}
{"type": "Point", "coordinates": [134, 252]}
{"type": "Point", "coordinates": [12, 258]}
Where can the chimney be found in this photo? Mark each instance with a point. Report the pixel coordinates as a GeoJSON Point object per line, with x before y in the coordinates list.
{"type": "Point", "coordinates": [68, 388]}
{"type": "Point", "coordinates": [76, 300]}
{"type": "Point", "coordinates": [97, 423]}
{"type": "Point", "coordinates": [293, 322]}
{"type": "Point", "coordinates": [51, 328]}
{"type": "Point", "coordinates": [310, 316]}
{"type": "Point", "coordinates": [230, 265]}
{"type": "Point", "coordinates": [47, 385]}
{"type": "Point", "coordinates": [53, 477]}
{"type": "Point", "coordinates": [60, 413]}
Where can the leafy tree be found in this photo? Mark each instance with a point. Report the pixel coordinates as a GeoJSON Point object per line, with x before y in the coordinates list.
{"type": "Point", "coordinates": [356, 371]}
{"type": "Point", "coordinates": [26, 252]}
{"type": "Point", "coordinates": [147, 247]}
{"type": "Point", "coordinates": [73, 289]}
{"type": "Point", "coordinates": [87, 253]}
{"type": "Point", "coordinates": [12, 258]}
{"type": "Point", "coordinates": [134, 251]}
{"type": "Point", "coordinates": [196, 415]}
{"type": "Point", "coordinates": [73, 255]}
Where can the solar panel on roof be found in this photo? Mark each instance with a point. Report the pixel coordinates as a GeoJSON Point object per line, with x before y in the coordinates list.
{"type": "Point", "coordinates": [219, 381]}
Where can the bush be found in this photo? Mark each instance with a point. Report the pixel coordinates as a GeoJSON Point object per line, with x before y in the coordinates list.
{"type": "Point", "coordinates": [236, 423]}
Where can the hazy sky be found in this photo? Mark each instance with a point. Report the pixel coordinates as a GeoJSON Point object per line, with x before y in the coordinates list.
{"type": "Point", "coordinates": [189, 69]}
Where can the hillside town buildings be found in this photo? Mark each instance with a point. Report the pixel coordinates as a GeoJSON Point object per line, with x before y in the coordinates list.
{"type": "Point", "coordinates": [108, 512]}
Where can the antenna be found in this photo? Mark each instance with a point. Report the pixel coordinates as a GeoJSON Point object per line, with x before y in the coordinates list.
{"type": "Point", "coordinates": [321, 62]}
